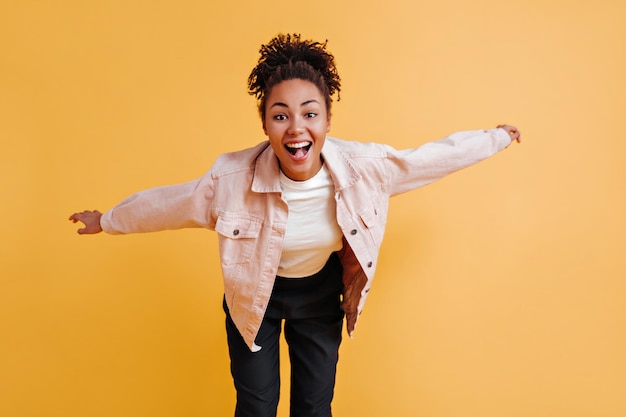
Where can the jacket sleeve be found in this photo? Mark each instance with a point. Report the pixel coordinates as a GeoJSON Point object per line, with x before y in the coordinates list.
{"type": "Point", "coordinates": [414, 168]}
{"type": "Point", "coordinates": [162, 208]}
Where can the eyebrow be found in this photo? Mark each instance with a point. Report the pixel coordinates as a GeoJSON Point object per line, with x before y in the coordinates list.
{"type": "Point", "coordinates": [281, 104]}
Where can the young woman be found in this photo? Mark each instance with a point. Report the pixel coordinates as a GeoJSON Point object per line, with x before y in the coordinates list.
{"type": "Point", "coordinates": [300, 219]}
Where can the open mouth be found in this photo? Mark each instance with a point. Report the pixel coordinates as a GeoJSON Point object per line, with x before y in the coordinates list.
{"type": "Point", "coordinates": [299, 149]}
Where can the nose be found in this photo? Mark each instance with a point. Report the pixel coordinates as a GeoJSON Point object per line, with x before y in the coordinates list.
{"type": "Point", "coordinates": [295, 128]}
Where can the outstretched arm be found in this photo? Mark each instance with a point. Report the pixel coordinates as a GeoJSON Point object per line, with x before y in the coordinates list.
{"type": "Point", "coordinates": [413, 168]}
{"type": "Point", "coordinates": [91, 220]}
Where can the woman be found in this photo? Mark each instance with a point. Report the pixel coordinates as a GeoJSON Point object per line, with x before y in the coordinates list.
{"type": "Point", "coordinates": [300, 219]}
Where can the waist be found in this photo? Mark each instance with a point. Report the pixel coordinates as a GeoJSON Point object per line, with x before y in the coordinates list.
{"type": "Point", "coordinates": [333, 264]}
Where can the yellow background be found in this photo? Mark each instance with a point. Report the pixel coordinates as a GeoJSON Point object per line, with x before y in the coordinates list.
{"type": "Point", "coordinates": [500, 290]}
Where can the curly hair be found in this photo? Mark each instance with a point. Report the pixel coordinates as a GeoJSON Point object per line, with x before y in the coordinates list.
{"type": "Point", "coordinates": [288, 57]}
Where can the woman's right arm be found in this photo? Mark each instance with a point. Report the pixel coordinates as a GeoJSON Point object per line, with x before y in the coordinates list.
{"type": "Point", "coordinates": [160, 208]}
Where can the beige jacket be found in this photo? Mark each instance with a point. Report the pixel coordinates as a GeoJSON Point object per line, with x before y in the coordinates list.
{"type": "Point", "coordinates": [240, 198]}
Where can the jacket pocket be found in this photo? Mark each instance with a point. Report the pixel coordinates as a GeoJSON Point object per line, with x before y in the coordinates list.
{"type": "Point", "coordinates": [374, 218]}
{"type": "Point", "coordinates": [237, 234]}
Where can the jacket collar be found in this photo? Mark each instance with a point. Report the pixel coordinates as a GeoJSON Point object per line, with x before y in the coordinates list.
{"type": "Point", "coordinates": [267, 171]}
{"type": "Point", "coordinates": [341, 169]}
{"type": "Point", "coordinates": [266, 177]}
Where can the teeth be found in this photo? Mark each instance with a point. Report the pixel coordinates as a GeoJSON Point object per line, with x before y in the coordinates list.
{"type": "Point", "coordinates": [298, 145]}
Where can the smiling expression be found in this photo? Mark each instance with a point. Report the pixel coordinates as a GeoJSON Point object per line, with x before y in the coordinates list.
{"type": "Point", "coordinates": [296, 122]}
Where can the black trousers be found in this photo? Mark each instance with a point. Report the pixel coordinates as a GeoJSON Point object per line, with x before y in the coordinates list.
{"type": "Point", "coordinates": [313, 319]}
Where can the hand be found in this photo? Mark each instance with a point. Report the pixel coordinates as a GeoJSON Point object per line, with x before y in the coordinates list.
{"type": "Point", "coordinates": [512, 131]}
{"type": "Point", "coordinates": [91, 219]}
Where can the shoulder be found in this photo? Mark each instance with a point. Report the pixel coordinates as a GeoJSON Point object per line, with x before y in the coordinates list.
{"type": "Point", "coordinates": [355, 149]}
{"type": "Point", "coordinates": [237, 161]}
{"type": "Point", "coordinates": [351, 162]}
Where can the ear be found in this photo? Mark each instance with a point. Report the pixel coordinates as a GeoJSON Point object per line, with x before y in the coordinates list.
{"type": "Point", "coordinates": [264, 127]}
{"type": "Point", "coordinates": [328, 124]}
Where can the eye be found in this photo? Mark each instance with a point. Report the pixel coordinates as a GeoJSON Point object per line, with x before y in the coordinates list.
{"type": "Point", "coordinates": [310, 115]}
{"type": "Point", "coordinates": [280, 117]}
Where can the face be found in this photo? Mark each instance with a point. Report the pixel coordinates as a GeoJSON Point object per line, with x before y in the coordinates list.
{"type": "Point", "coordinates": [296, 122]}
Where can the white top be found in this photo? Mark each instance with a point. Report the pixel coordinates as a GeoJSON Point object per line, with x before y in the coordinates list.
{"type": "Point", "coordinates": [312, 231]}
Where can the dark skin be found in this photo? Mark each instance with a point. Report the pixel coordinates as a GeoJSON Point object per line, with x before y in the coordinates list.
{"type": "Point", "coordinates": [91, 220]}
{"type": "Point", "coordinates": [513, 132]}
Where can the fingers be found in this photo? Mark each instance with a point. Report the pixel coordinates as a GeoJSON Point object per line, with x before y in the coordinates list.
{"type": "Point", "coordinates": [78, 217]}
{"type": "Point", "coordinates": [91, 220]}
{"type": "Point", "coordinates": [83, 214]}
{"type": "Point", "coordinates": [512, 131]}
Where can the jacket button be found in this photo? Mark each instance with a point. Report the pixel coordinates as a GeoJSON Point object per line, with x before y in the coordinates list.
{"type": "Point", "coordinates": [353, 232]}
{"type": "Point", "coordinates": [369, 264]}
{"type": "Point", "coordinates": [236, 232]}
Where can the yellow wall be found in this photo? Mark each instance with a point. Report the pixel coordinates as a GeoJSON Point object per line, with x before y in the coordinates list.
{"type": "Point", "coordinates": [500, 290]}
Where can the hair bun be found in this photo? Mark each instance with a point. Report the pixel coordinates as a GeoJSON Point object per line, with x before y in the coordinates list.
{"type": "Point", "coordinates": [288, 50]}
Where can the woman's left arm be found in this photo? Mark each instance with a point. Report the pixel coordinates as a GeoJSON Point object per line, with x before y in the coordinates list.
{"type": "Point", "coordinates": [413, 168]}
